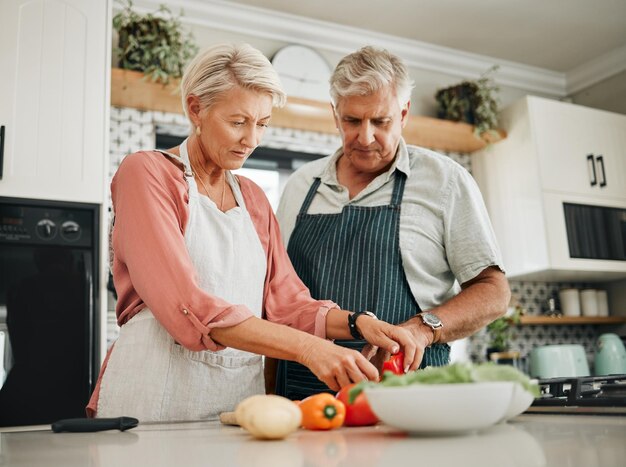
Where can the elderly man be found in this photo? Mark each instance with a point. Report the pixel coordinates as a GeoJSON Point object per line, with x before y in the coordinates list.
{"type": "Point", "coordinates": [388, 227]}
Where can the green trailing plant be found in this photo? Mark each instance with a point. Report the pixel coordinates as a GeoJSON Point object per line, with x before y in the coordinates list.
{"type": "Point", "coordinates": [501, 330]}
{"type": "Point", "coordinates": [472, 101]}
{"type": "Point", "coordinates": [155, 44]}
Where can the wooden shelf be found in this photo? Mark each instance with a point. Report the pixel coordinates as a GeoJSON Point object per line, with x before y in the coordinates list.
{"type": "Point", "coordinates": [559, 320]}
{"type": "Point", "coordinates": [131, 89]}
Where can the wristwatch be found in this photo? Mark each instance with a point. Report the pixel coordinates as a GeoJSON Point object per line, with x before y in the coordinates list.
{"type": "Point", "coordinates": [352, 322]}
{"type": "Point", "coordinates": [433, 322]}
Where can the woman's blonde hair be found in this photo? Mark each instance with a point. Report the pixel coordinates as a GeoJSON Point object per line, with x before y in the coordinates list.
{"type": "Point", "coordinates": [221, 67]}
{"type": "Point", "coordinates": [367, 70]}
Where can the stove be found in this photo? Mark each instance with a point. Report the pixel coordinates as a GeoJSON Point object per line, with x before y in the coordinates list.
{"type": "Point", "coordinates": [593, 395]}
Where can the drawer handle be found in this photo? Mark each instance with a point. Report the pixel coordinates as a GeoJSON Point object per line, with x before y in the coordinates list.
{"type": "Point", "coordinates": [600, 159]}
{"type": "Point", "coordinates": [1, 151]}
{"type": "Point", "coordinates": [591, 163]}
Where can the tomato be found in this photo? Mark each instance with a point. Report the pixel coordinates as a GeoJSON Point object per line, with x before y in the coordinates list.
{"type": "Point", "coordinates": [359, 413]}
{"type": "Point", "coordinates": [395, 364]}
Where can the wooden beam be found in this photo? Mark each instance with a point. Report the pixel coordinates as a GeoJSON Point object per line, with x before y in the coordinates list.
{"type": "Point", "coordinates": [131, 89]}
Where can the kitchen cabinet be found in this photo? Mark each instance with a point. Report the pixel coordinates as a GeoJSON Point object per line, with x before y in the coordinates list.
{"type": "Point", "coordinates": [579, 150]}
{"type": "Point", "coordinates": [54, 92]}
{"type": "Point", "coordinates": [534, 179]}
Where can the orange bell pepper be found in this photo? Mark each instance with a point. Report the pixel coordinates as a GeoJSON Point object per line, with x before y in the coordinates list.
{"type": "Point", "coordinates": [322, 412]}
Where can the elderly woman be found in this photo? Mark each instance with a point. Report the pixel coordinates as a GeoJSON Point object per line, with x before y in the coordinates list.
{"type": "Point", "coordinates": [204, 284]}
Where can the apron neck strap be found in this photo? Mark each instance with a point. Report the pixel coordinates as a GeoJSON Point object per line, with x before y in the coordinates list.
{"type": "Point", "coordinates": [398, 188]}
{"type": "Point", "coordinates": [184, 155]}
{"type": "Point", "coordinates": [310, 195]}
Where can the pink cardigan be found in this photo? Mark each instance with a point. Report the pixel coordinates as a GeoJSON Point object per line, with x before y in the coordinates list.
{"type": "Point", "coordinates": [152, 268]}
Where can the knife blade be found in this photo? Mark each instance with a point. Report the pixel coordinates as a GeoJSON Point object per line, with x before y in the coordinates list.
{"type": "Point", "coordinates": [87, 425]}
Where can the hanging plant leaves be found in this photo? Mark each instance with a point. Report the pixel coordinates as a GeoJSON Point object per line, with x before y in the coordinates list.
{"type": "Point", "coordinates": [155, 44]}
{"type": "Point", "coordinates": [474, 102]}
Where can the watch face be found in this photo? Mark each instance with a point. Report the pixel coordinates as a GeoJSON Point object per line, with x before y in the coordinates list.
{"type": "Point", "coordinates": [431, 319]}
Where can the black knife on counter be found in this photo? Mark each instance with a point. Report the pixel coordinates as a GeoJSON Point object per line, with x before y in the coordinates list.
{"type": "Point", "coordinates": [87, 425]}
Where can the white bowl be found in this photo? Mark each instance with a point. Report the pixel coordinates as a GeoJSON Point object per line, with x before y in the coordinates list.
{"type": "Point", "coordinates": [520, 401]}
{"type": "Point", "coordinates": [441, 408]}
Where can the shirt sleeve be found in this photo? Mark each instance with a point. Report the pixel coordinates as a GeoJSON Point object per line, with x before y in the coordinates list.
{"type": "Point", "coordinates": [470, 241]}
{"type": "Point", "coordinates": [151, 262]}
{"type": "Point", "coordinates": [286, 299]}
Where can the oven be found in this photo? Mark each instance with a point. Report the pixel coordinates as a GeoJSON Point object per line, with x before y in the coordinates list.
{"type": "Point", "coordinates": [48, 302]}
{"type": "Point", "coordinates": [591, 395]}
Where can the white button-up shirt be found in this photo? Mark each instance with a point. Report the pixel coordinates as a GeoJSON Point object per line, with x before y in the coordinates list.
{"type": "Point", "coordinates": [446, 237]}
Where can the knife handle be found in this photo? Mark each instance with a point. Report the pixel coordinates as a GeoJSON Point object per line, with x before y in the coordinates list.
{"type": "Point", "coordinates": [86, 425]}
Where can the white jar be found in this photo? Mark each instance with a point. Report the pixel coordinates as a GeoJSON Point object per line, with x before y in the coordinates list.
{"type": "Point", "coordinates": [603, 302]}
{"type": "Point", "coordinates": [589, 302]}
{"type": "Point", "coordinates": [570, 302]}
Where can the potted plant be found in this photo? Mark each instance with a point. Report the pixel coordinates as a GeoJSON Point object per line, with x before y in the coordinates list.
{"type": "Point", "coordinates": [474, 102]}
{"type": "Point", "coordinates": [155, 44]}
{"type": "Point", "coordinates": [500, 334]}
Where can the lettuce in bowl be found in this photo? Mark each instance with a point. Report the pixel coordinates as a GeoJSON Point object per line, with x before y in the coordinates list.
{"type": "Point", "coordinates": [453, 374]}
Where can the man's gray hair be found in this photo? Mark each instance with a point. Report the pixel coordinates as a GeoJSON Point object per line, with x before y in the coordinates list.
{"type": "Point", "coordinates": [222, 67]}
{"type": "Point", "coordinates": [367, 70]}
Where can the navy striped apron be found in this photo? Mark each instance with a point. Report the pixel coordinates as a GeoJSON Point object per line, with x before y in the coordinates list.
{"type": "Point", "coordinates": [354, 259]}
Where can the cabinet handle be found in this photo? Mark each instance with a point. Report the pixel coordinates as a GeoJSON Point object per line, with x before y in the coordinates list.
{"type": "Point", "coordinates": [600, 159]}
{"type": "Point", "coordinates": [1, 151]}
{"type": "Point", "coordinates": [591, 163]}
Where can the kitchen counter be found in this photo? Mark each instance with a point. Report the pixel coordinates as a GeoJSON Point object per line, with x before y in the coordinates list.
{"type": "Point", "coordinates": [527, 440]}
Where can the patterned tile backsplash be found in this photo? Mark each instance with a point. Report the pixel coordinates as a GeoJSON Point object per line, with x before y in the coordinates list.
{"type": "Point", "coordinates": [533, 296]}
{"type": "Point", "coordinates": [132, 130]}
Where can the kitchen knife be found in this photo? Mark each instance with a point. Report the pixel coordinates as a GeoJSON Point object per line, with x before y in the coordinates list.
{"type": "Point", "coordinates": [85, 425]}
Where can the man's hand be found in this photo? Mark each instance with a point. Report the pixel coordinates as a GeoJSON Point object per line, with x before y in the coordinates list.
{"type": "Point", "coordinates": [386, 339]}
{"type": "Point", "coordinates": [421, 336]}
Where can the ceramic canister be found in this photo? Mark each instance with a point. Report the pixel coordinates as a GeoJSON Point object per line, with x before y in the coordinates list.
{"type": "Point", "coordinates": [570, 302]}
{"type": "Point", "coordinates": [589, 302]}
{"type": "Point", "coordinates": [603, 302]}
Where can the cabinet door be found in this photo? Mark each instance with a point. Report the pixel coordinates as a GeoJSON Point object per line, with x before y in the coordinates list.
{"type": "Point", "coordinates": [580, 150]}
{"type": "Point", "coordinates": [53, 98]}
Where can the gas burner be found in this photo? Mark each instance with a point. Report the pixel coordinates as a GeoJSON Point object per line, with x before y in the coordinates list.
{"type": "Point", "coordinates": [613, 390]}
{"type": "Point", "coordinates": [585, 394]}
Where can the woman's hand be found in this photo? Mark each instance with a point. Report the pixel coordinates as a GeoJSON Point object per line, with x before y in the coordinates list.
{"type": "Point", "coordinates": [385, 339]}
{"type": "Point", "coordinates": [336, 366]}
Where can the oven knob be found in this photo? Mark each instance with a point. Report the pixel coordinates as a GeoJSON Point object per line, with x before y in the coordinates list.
{"type": "Point", "coordinates": [70, 230]}
{"type": "Point", "coordinates": [46, 229]}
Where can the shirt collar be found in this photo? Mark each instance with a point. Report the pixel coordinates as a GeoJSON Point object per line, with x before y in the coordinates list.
{"type": "Point", "coordinates": [401, 162]}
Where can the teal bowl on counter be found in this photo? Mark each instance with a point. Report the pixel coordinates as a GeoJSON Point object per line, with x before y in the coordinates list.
{"type": "Point", "coordinates": [553, 361]}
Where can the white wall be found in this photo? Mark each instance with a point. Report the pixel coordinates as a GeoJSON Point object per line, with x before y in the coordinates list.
{"type": "Point", "coordinates": [426, 82]}
{"type": "Point", "coordinates": [431, 67]}
{"type": "Point", "coordinates": [608, 94]}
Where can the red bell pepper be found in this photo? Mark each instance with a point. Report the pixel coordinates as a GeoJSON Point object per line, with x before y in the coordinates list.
{"type": "Point", "coordinates": [395, 364]}
{"type": "Point", "coordinates": [359, 412]}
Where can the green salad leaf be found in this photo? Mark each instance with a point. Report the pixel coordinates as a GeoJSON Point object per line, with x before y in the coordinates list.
{"type": "Point", "coordinates": [452, 374]}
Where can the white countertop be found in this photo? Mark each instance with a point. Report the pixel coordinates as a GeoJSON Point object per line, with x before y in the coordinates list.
{"type": "Point", "coordinates": [528, 440]}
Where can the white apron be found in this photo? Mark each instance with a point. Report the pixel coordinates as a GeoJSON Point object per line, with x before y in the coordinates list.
{"type": "Point", "coordinates": [151, 377]}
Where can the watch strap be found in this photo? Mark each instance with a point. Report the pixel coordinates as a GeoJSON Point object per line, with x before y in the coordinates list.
{"type": "Point", "coordinates": [354, 332]}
